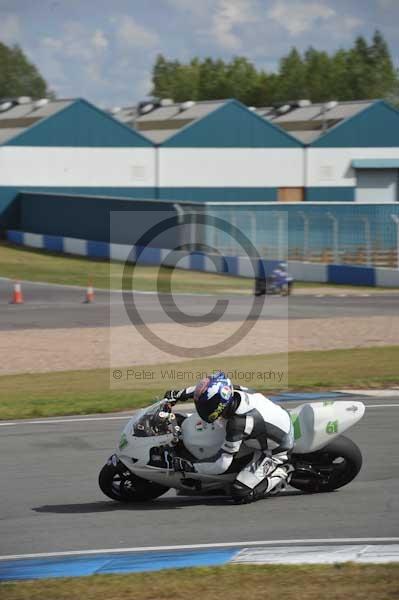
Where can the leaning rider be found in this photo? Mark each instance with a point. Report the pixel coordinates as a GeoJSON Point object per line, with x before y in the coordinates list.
{"type": "Point", "coordinates": [252, 420]}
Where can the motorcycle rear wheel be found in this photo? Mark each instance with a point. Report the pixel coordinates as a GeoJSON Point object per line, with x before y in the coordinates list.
{"type": "Point", "coordinates": [339, 462]}
{"type": "Point", "coordinates": [284, 290]}
{"type": "Point", "coordinates": [118, 483]}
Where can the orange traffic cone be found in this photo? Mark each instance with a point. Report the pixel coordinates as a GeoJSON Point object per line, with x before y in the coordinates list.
{"type": "Point", "coordinates": [17, 297]}
{"type": "Point", "coordinates": [89, 294]}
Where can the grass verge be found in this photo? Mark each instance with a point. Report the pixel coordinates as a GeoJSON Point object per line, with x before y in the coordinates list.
{"type": "Point", "coordinates": [340, 582]}
{"type": "Point", "coordinates": [85, 392]}
{"type": "Point", "coordinates": [18, 262]}
{"type": "Point", "coordinates": [39, 265]}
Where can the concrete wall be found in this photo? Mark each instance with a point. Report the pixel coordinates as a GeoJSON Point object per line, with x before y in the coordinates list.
{"type": "Point", "coordinates": [232, 265]}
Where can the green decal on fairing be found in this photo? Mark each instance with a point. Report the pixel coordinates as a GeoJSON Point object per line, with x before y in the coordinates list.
{"type": "Point", "coordinates": [332, 427]}
{"type": "Point", "coordinates": [328, 402]}
{"type": "Point", "coordinates": [123, 441]}
{"type": "Point", "coordinates": [297, 426]}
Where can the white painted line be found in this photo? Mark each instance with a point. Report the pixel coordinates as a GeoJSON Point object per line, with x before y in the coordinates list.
{"type": "Point", "coordinates": [389, 540]}
{"type": "Point", "coordinates": [319, 554]}
{"type": "Point", "coordinates": [78, 420]}
{"type": "Point", "coordinates": [108, 291]}
{"type": "Point", "coordinates": [390, 393]}
{"type": "Point", "coordinates": [381, 405]}
{"type": "Point", "coordinates": [123, 417]}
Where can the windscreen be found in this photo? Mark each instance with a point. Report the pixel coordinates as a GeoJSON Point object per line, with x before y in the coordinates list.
{"type": "Point", "coordinates": [155, 421]}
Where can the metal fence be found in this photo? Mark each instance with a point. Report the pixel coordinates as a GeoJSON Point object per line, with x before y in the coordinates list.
{"type": "Point", "coordinates": [336, 233]}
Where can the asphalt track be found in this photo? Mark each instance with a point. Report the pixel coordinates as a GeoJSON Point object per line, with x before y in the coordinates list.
{"type": "Point", "coordinates": [49, 499]}
{"type": "Point", "coordinates": [52, 306]}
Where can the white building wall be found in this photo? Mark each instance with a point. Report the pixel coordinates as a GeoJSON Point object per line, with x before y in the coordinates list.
{"type": "Point", "coordinates": [331, 167]}
{"type": "Point", "coordinates": [231, 167]}
{"type": "Point", "coordinates": [109, 167]}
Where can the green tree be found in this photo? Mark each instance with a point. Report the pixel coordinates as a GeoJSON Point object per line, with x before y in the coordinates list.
{"type": "Point", "coordinates": [361, 72]}
{"type": "Point", "coordinates": [241, 79]}
{"type": "Point", "coordinates": [163, 77]}
{"type": "Point", "coordinates": [340, 76]}
{"type": "Point", "coordinates": [383, 76]}
{"type": "Point", "coordinates": [213, 84]}
{"type": "Point", "coordinates": [264, 90]}
{"type": "Point", "coordinates": [319, 85]}
{"type": "Point", "coordinates": [18, 76]}
{"type": "Point", "coordinates": [186, 82]}
{"type": "Point", "coordinates": [292, 77]}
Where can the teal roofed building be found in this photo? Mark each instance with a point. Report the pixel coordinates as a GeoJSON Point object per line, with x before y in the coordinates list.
{"type": "Point", "coordinates": [222, 151]}
{"type": "Point", "coordinates": [69, 146]}
{"type": "Point", "coordinates": [351, 148]}
{"type": "Point", "coordinates": [357, 159]}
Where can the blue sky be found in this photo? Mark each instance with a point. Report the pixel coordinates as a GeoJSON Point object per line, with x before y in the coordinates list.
{"type": "Point", "coordinates": [103, 50]}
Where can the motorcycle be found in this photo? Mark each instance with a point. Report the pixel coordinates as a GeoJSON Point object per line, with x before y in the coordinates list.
{"type": "Point", "coordinates": [141, 468]}
{"type": "Point", "coordinates": [275, 284]}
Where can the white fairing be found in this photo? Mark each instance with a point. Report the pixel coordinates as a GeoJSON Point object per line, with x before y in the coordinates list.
{"type": "Point", "coordinates": [317, 423]}
{"type": "Point", "coordinates": [203, 439]}
{"type": "Point", "coordinates": [138, 448]}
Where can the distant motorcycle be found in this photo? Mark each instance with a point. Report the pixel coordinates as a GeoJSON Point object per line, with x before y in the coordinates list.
{"type": "Point", "coordinates": [141, 468]}
{"type": "Point", "coordinates": [279, 282]}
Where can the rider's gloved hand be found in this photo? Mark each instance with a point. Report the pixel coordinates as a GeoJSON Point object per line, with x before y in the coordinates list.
{"type": "Point", "coordinates": [182, 465]}
{"type": "Point", "coordinates": [172, 395]}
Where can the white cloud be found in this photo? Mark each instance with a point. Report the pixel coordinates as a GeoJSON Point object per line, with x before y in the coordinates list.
{"type": "Point", "coordinates": [131, 34]}
{"type": "Point", "coordinates": [99, 40]}
{"type": "Point", "coordinates": [143, 86]}
{"type": "Point", "coordinates": [52, 43]}
{"type": "Point", "coordinates": [299, 17]}
{"type": "Point", "coordinates": [193, 6]}
{"type": "Point", "coordinates": [77, 42]}
{"type": "Point", "coordinates": [78, 50]}
{"type": "Point", "coordinates": [388, 3]}
{"type": "Point", "coordinates": [93, 71]}
{"type": "Point", "coordinates": [229, 15]}
{"type": "Point", "coordinates": [53, 69]}
{"type": "Point", "coordinates": [96, 59]}
{"type": "Point", "coordinates": [10, 29]}
{"type": "Point", "coordinates": [351, 23]}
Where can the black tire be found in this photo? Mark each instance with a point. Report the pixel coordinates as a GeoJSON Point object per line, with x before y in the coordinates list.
{"type": "Point", "coordinates": [284, 290]}
{"type": "Point", "coordinates": [118, 483]}
{"type": "Point", "coordinates": [342, 459]}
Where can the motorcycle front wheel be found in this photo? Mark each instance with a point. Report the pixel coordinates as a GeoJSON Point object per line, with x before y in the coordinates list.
{"type": "Point", "coordinates": [327, 469]}
{"type": "Point", "coordinates": [118, 483]}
